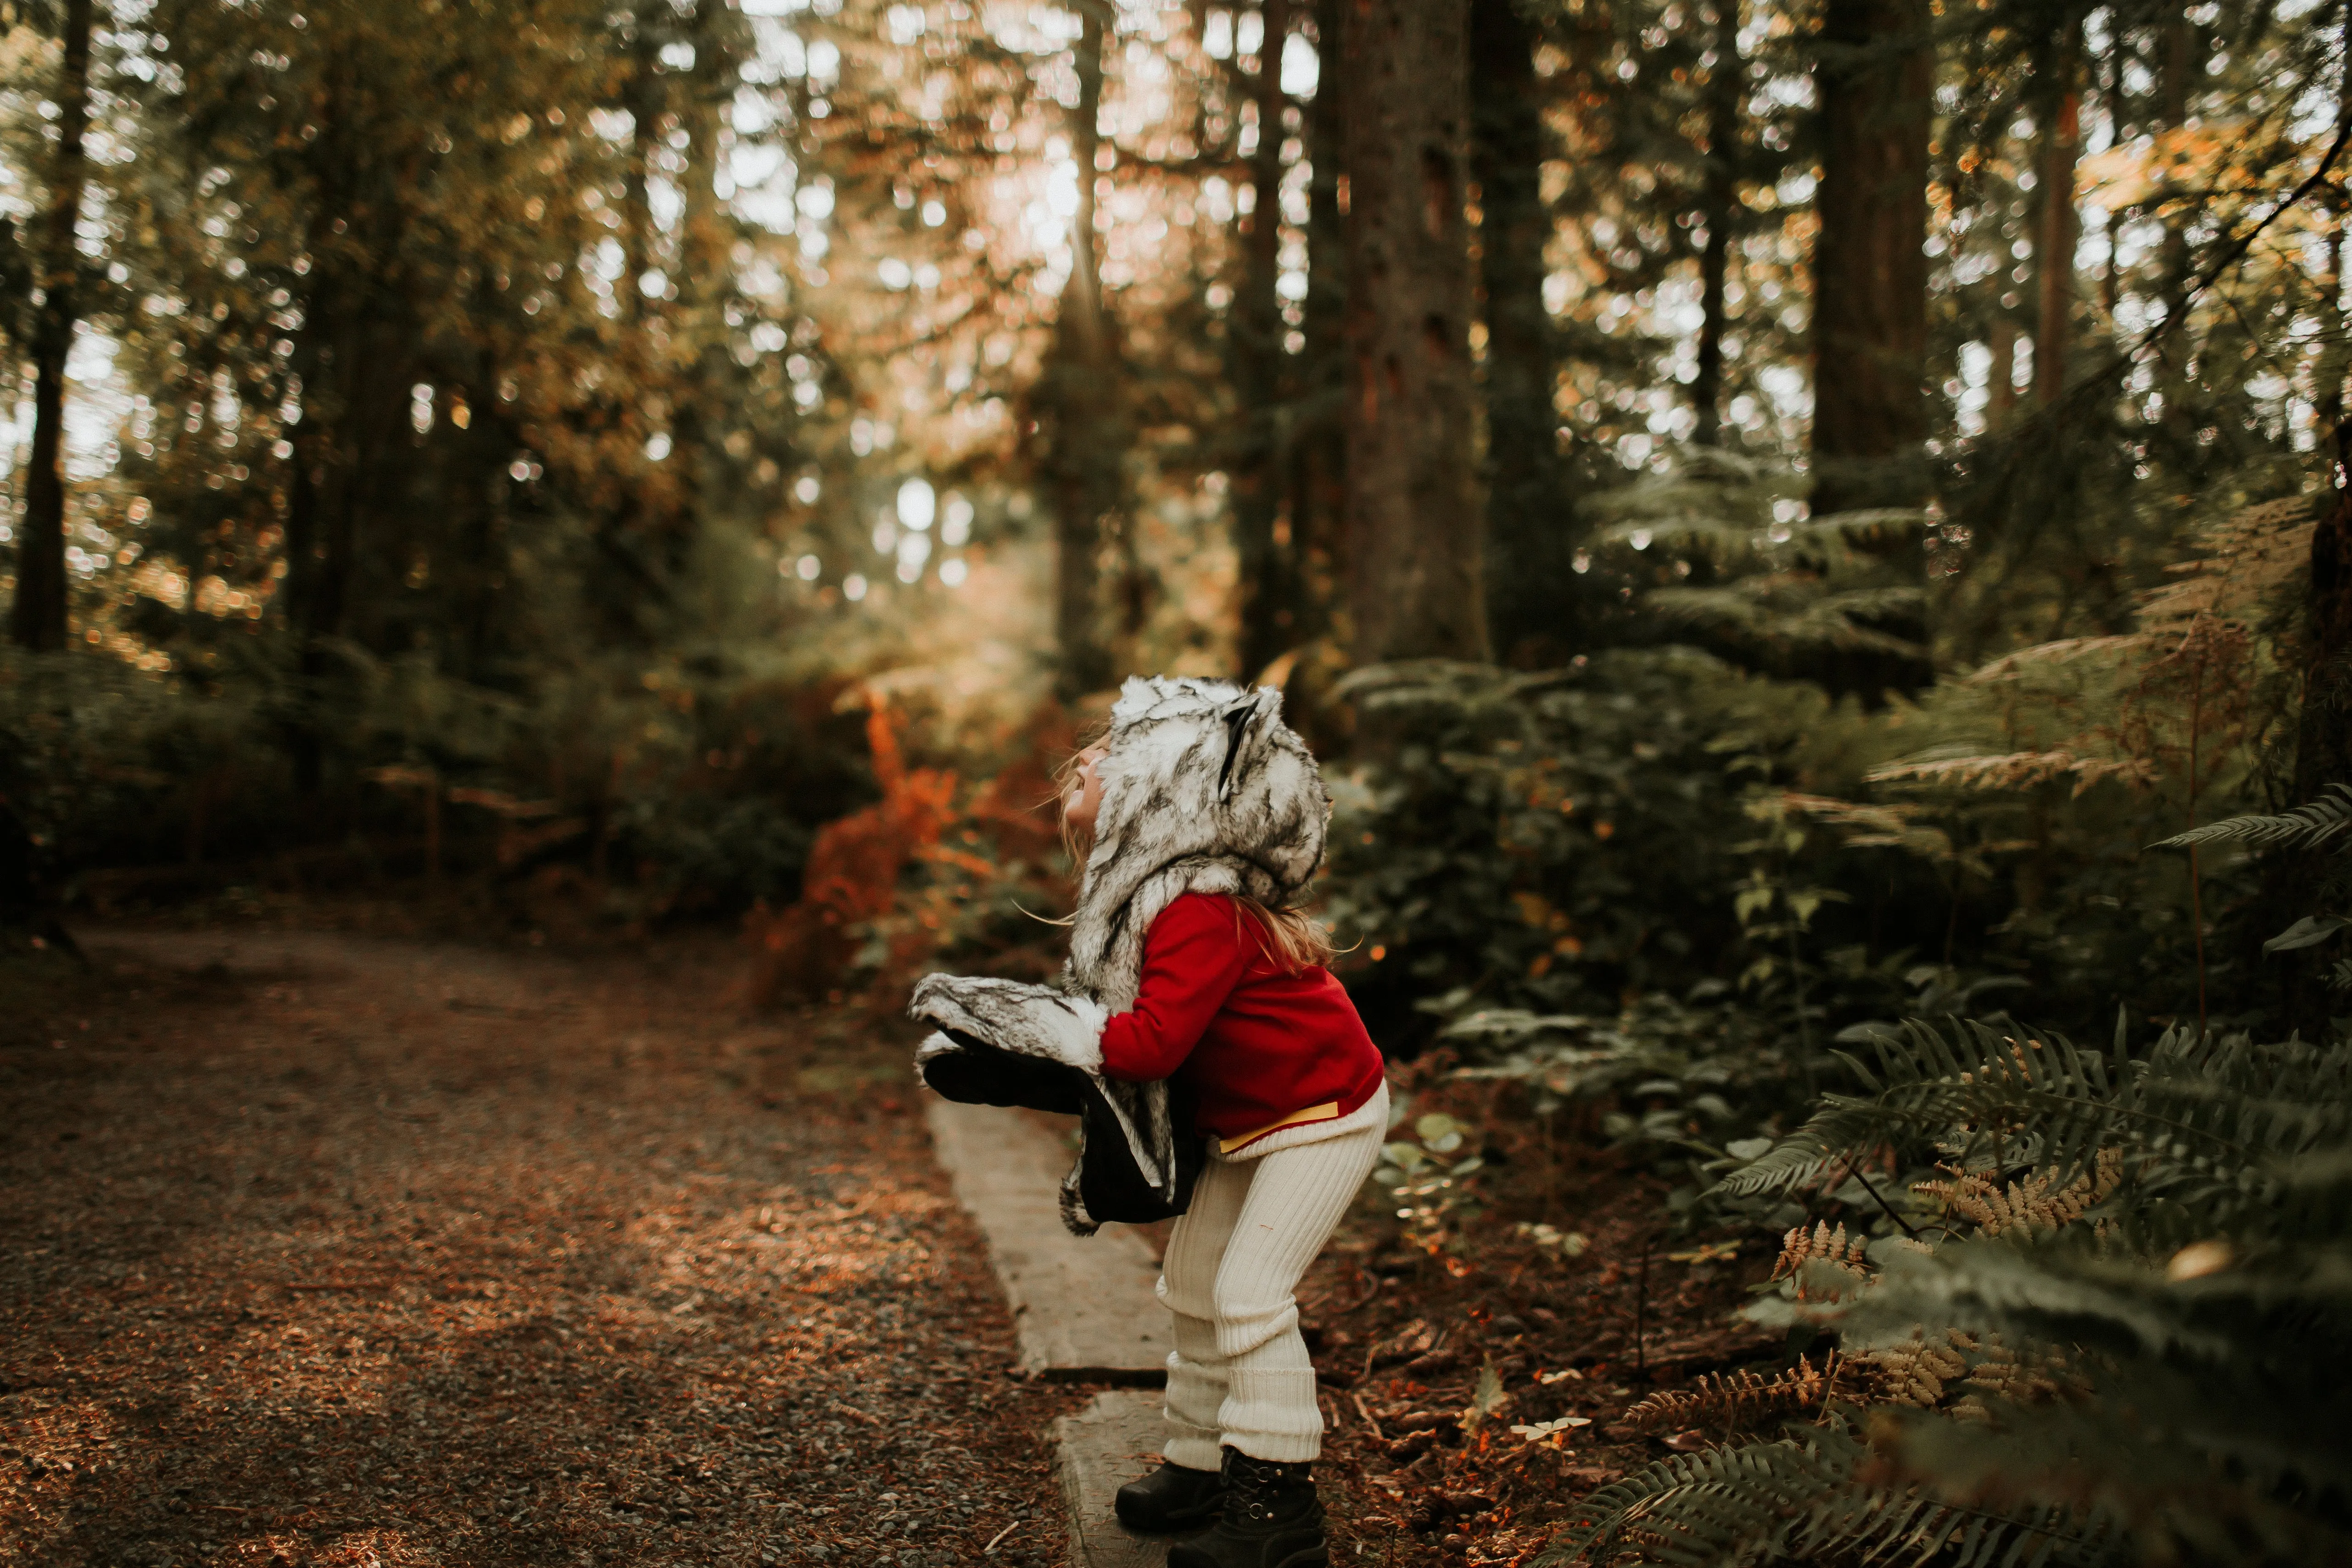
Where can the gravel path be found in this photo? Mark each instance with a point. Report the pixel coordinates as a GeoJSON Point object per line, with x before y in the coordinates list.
{"type": "Point", "coordinates": [333, 1250]}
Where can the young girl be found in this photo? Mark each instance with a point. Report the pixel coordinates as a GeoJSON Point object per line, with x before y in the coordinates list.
{"type": "Point", "coordinates": [1192, 971]}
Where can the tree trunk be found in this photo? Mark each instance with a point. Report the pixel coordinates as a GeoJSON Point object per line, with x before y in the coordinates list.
{"type": "Point", "coordinates": [2294, 885]}
{"type": "Point", "coordinates": [1088, 439]}
{"type": "Point", "coordinates": [1726, 84]}
{"type": "Point", "coordinates": [1530, 589]}
{"type": "Point", "coordinates": [38, 619]}
{"type": "Point", "coordinates": [2059, 230]}
{"type": "Point", "coordinates": [1269, 571]}
{"type": "Point", "coordinates": [1869, 260]}
{"type": "Point", "coordinates": [1415, 534]}
{"type": "Point", "coordinates": [643, 97]}
{"type": "Point", "coordinates": [1319, 441]}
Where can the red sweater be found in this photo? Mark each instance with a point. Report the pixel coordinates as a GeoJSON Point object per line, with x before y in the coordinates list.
{"type": "Point", "coordinates": [1217, 1010]}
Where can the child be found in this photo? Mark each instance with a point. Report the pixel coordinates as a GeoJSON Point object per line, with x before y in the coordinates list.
{"type": "Point", "coordinates": [1193, 970]}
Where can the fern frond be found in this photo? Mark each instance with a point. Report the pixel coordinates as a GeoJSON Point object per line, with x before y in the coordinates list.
{"type": "Point", "coordinates": [1729, 1399]}
{"type": "Point", "coordinates": [2211, 1115]}
{"type": "Point", "coordinates": [2307, 827]}
{"type": "Point", "coordinates": [1915, 1371]}
{"type": "Point", "coordinates": [1767, 1500]}
{"type": "Point", "coordinates": [2037, 1200]}
{"type": "Point", "coordinates": [1971, 769]}
{"type": "Point", "coordinates": [1807, 1258]}
{"type": "Point", "coordinates": [2065, 651]}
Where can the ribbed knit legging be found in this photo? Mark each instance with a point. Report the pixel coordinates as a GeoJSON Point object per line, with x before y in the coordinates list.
{"type": "Point", "coordinates": [1240, 1373]}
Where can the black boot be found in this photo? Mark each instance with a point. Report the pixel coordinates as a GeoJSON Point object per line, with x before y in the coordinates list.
{"type": "Point", "coordinates": [1171, 1500]}
{"type": "Point", "coordinates": [1269, 1518]}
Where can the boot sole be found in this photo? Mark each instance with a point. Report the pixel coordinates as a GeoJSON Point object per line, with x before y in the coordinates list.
{"type": "Point", "coordinates": [1184, 1524]}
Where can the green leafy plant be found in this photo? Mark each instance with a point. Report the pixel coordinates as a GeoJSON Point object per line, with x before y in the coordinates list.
{"type": "Point", "coordinates": [2110, 1339]}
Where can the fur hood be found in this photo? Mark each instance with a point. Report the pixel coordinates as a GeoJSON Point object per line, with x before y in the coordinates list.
{"type": "Point", "coordinates": [1204, 789]}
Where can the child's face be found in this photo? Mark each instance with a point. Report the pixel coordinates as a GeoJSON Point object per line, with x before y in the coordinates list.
{"type": "Point", "coordinates": [1084, 796]}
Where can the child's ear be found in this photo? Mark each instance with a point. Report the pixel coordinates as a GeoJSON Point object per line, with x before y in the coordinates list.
{"type": "Point", "coordinates": [1248, 723]}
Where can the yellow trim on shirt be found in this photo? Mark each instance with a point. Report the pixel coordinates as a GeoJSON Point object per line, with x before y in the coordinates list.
{"type": "Point", "coordinates": [1326, 1112]}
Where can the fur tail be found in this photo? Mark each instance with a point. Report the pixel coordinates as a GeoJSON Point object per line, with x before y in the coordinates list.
{"type": "Point", "coordinates": [1075, 1218]}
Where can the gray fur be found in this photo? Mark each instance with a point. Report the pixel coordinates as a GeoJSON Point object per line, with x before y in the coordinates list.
{"type": "Point", "coordinates": [1205, 789]}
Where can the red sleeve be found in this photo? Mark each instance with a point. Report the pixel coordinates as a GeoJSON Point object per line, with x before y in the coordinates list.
{"type": "Point", "coordinates": [1193, 956]}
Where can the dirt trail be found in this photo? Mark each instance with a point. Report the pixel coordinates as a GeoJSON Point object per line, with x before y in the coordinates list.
{"type": "Point", "coordinates": [334, 1250]}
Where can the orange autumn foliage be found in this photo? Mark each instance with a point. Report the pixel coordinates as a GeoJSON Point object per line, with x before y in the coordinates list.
{"type": "Point", "coordinates": [854, 887]}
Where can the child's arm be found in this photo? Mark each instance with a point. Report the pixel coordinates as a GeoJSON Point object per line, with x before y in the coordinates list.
{"type": "Point", "coordinates": [1194, 956]}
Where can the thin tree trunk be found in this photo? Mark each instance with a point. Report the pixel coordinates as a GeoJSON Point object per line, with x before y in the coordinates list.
{"type": "Point", "coordinates": [1269, 575]}
{"type": "Point", "coordinates": [698, 347]}
{"type": "Point", "coordinates": [1531, 598]}
{"type": "Point", "coordinates": [2177, 69]}
{"type": "Point", "coordinates": [1726, 84]}
{"type": "Point", "coordinates": [2060, 228]}
{"type": "Point", "coordinates": [1088, 442]}
{"type": "Point", "coordinates": [2335, 360]}
{"type": "Point", "coordinates": [38, 619]}
{"type": "Point", "coordinates": [2004, 390]}
{"type": "Point", "coordinates": [1414, 533]}
{"type": "Point", "coordinates": [1319, 442]}
{"type": "Point", "coordinates": [643, 97]}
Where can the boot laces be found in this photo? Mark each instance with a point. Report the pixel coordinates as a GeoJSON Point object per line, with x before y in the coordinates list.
{"type": "Point", "coordinates": [1252, 1484]}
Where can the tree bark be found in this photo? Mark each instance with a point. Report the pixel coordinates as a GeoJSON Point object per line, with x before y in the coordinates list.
{"type": "Point", "coordinates": [1088, 439]}
{"type": "Point", "coordinates": [2059, 229]}
{"type": "Point", "coordinates": [37, 618]}
{"type": "Point", "coordinates": [1530, 590]}
{"type": "Point", "coordinates": [1318, 441]}
{"type": "Point", "coordinates": [643, 97]}
{"type": "Point", "coordinates": [1726, 84]}
{"type": "Point", "coordinates": [1414, 533]}
{"type": "Point", "coordinates": [1870, 261]}
{"type": "Point", "coordinates": [1269, 572]}
{"type": "Point", "coordinates": [2294, 885]}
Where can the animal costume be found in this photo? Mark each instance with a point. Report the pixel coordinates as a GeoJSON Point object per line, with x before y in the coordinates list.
{"type": "Point", "coordinates": [1204, 789]}
{"type": "Point", "coordinates": [1176, 1017]}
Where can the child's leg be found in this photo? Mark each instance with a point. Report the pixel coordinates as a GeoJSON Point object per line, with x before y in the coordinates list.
{"type": "Point", "coordinates": [1188, 1279]}
{"type": "Point", "coordinates": [1295, 1199]}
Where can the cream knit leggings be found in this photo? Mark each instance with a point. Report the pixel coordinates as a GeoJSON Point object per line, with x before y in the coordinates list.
{"type": "Point", "coordinates": [1240, 1375]}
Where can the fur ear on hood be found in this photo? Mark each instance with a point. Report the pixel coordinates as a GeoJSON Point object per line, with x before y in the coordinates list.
{"type": "Point", "coordinates": [1205, 789]}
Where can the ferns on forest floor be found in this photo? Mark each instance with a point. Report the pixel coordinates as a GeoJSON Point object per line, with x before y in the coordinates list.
{"type": "Point", "coordinates": [2117, 1338]}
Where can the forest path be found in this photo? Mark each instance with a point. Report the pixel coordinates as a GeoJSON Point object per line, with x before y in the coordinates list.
{"type": "Point", "coordinates": [339, 1250]}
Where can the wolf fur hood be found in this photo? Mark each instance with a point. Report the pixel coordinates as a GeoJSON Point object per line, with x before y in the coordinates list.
{"type": "Point", "coordinates": [1204, 789]}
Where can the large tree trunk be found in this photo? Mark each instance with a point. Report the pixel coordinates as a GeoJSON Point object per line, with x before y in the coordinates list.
{"type": "Point", "coordinates": [2294, 885]}
{"type": "Point", "coordinates": [1529, 585]}
{"type": "Point", "coordinates": [1725, 85]}
{"type": "Point", "coordinates": [1870, 259]}
{"type": "Point", "coordinates": [1870, 303]}
{"type": "Point", "coordinates": [2059, 228]}
{"type": "Point", "coordinates": [1269, 570]}
{"type": "Point", "coordinates": [38, 619]}
{"type": "Point", "coordinates": [1415, 534]}
{"type": "Point", "coordinates": [1079, 397]}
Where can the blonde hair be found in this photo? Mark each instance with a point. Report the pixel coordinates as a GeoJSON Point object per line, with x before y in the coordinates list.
{"type": "Point", "coordinates": [1293, 939]}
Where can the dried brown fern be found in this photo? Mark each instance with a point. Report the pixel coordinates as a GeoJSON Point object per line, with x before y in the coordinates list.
{"type": "Point", "coordinates": [2001, 1375]}
{"type": "Point", "coordinates": [1742, 1398]}
{"type": "Point", "coordinates": [2033, 1201]}
{"type": "Point", "coordinates": [1916, 1373]}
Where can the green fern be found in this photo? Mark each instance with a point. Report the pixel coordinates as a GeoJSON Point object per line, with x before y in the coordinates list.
{"type": "Point", "coordinates": [2311, 826]}
{"type": "Point", "coordinates": [2215, 1113]}
{"type": "Point", "coordinates": [1800, 1498]}
{"type": "Point", "coordinates": [2164, 1384]}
